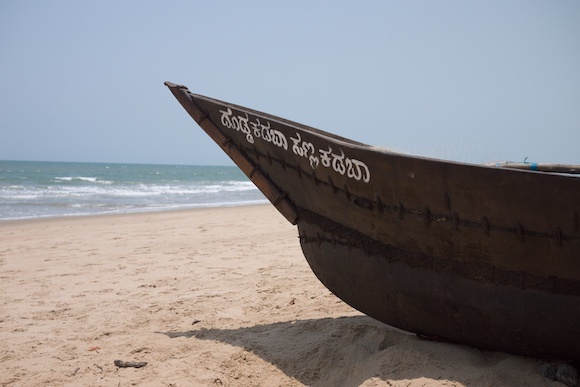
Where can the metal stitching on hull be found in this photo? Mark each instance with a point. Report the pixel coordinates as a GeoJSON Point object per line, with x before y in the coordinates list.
{"type": "Point", "coordinates": [484, 225]}
{"type": "Point", "coordinates": [352, 239]}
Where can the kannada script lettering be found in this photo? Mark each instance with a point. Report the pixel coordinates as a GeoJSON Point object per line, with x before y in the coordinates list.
{"type": "Point", "coordinates": [327, 158]}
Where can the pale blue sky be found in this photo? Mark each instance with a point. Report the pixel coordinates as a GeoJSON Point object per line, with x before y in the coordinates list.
{"type": "Point", "coordinates": [461, 80]}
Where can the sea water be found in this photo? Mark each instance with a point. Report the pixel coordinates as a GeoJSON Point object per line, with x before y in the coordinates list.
{"type": "Point", "coordinates": [31, 189]}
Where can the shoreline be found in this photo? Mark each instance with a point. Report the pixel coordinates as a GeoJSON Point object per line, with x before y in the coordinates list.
{"type": "Point", "coordinates": [206, 296]}
{"type": "Point", "coordinates": [130, 213]}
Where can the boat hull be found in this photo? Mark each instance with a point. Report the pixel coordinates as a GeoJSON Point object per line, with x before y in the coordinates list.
{"type": "Point", "coordinates": [471, 254]}
{"type": "Point", "coordinates": [405, 290]}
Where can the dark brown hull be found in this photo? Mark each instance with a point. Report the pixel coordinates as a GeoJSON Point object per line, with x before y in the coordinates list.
{"type": "Point", "coordinates": [476, 255]}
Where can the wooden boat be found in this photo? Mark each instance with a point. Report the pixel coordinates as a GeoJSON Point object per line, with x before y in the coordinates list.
{"type": "Point", "coordinates": [477, 255]}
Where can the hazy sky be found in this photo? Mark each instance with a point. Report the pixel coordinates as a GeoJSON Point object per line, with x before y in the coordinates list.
{"type": "Point", "coordinates": [462, 80]}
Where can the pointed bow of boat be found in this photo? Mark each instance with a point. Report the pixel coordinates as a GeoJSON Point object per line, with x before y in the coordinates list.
{"type": "Point", "coordinates": [272, 192]}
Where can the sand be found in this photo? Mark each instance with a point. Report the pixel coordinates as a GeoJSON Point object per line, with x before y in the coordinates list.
{"type": "Point", "coordinates": [207, 297]}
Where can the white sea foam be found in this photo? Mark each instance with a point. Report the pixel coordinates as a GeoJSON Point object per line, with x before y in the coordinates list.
{"type": "Point", "coordinates": [72, 178]}
{"type": "Point", "coordinates": [83, 179]}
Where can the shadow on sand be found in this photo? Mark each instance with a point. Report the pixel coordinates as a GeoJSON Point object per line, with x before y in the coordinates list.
{"type": "Point", "coordinates": [348, 351]}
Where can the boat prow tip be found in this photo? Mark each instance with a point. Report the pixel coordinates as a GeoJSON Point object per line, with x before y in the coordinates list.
{"type": "Point", "coordinates": [172, 85]}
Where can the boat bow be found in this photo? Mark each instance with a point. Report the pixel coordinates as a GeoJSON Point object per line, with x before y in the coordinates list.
{"type": "Point", "coordinates": [478, 255]}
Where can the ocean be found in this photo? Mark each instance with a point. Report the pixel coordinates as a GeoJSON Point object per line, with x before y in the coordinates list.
{"type": "Point", "coordinates": [32, 189]}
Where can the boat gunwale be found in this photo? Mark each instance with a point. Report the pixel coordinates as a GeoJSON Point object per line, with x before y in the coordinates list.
{"type": "Point", "coordinates": [366, 147]}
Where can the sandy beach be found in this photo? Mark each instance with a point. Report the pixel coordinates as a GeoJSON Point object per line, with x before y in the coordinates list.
{"type": "Point", "coordinates": [207, 297]}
